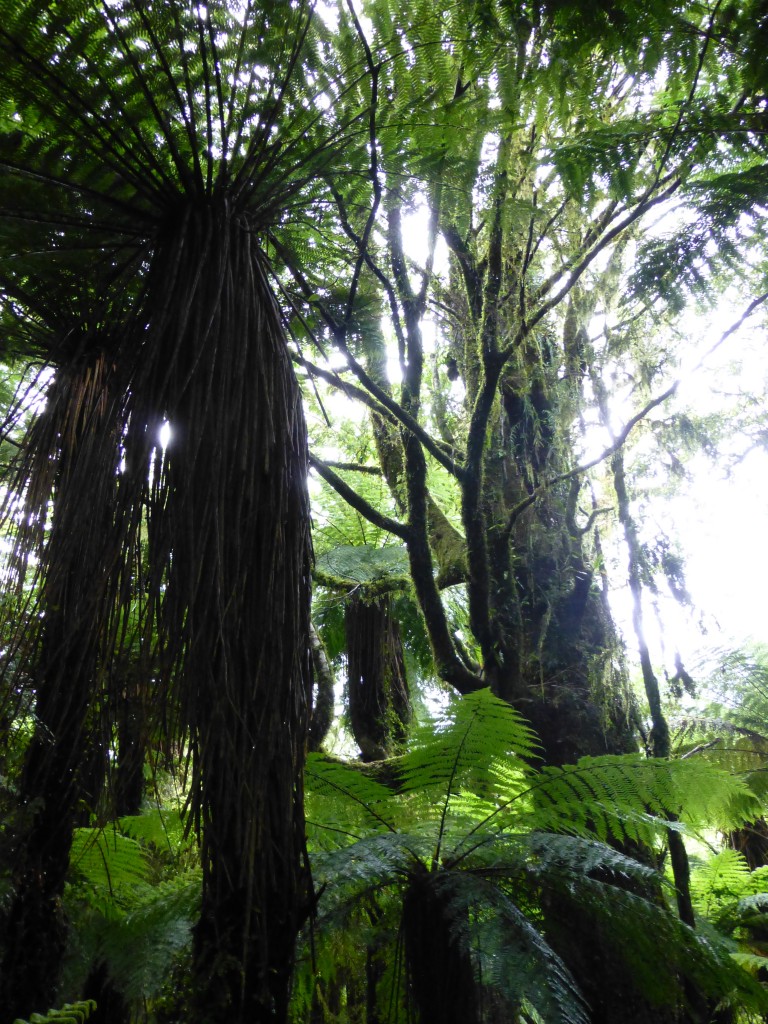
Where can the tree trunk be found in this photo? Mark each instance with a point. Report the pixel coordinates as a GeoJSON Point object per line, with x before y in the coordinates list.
{"type": "Point", "coordinates": [752, 842]}
{"type": "Point", "coordinates": [131, 716]}
{"type": "Point", "coordinates": [77, 441]}
{"type": "Point", "coordinates": [555, 652]}
{"type": "Point", "coordinates": [229, 553]}
{"type": "Point", "coordinates": [379, 702]}
{"type": "Point", "coordinates": [323, 696]}
{"type": "Point", "coordinates": [440, 972]}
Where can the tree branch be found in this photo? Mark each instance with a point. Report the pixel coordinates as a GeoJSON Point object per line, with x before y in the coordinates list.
{"type": "Point", "coordinates": [358, 503]}
{"type": "Point", "coordinates": [605, 454]}
{"type": "Point", "coordinates": [354, 467]}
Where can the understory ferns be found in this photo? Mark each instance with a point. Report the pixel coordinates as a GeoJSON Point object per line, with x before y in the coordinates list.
{"type": "Point", "coordinates": [447, 860]}
{"type": "Point", "coordinates": [133, 898]}
{"type": "Point", "coordinates": [725, 725]}
{"type": "Point", "coordinates": [734, 901]}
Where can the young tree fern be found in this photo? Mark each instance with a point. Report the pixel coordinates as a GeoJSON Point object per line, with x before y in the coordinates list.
{"type": "Point", "coordinates": [462, 845]}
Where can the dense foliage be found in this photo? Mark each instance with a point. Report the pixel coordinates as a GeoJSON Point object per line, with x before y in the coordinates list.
{"type": "Point", "coordinates": [438, 267]}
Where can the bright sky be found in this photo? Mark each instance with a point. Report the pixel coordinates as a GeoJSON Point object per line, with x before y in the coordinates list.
{"type": "Point", "coordinates": [719, 517]}
{"type": "Point", "coordinates": [721, 524]}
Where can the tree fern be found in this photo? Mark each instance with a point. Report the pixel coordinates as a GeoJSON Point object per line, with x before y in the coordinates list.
{"type": "Point", "coordinates": [154, 152]}
{"type": "Point", "coordinates": [468, 834]}
{"type": "Point", "coordinates": [364, 566]}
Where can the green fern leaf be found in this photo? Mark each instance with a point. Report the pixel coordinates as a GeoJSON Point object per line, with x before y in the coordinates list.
{"type": "Point", "coordinates": [70, 1013]}
{"type": "Point", "coordinates": [509, 952]}
{"type": "Point", "coordinates": [161, 827]}
{"type": "Point", "coordinates": [108, 860]}
{"type": "Point", "coordinates": [478, 742]}
{"type": "Point", "coordinates": [632, 797]}
{"type": "Point", "coordinates": [372, 865]}
{"type": "Point", "coordinates": [345, 798]}
{"type": "Point", "coordinates": [142, 948]}
{"type": "Point", "coordinates": [721, 880]}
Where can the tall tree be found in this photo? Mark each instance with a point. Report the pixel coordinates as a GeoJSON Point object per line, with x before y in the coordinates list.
{"type": "Point", "coordinates": [545, 136]}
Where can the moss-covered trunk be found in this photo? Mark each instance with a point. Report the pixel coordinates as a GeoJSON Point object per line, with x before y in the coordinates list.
{"type": "Point", "coordinates": [549, 643]}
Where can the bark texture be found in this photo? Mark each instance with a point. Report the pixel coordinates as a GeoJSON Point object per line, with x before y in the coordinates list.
{"type": "Point", "coordinates": [379, 701]}
{"type": "Point", "coordinates": [65, 457]}
{"type": "Point", "coordinates": [229, 554]}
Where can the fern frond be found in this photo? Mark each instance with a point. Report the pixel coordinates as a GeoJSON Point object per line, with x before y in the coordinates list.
{"type": "Point", "coordinates": [69, 1013]}
{"type": "Point", "coordinates": [479, 742]}
{"type": "Point", "coordinates": [161, 827]}
{"type": "Point", "coordinates": [631, 797]}
{"type": "Point", "coordinates": [142, 948]}
{"type": "Point", "coordinates": [547, 854]}
{"type": "Point", "coordinates": [350, 798]}
{"type": "Point", "coordinates": [108, 860]}
{"type": "Point", "coordinates": [370, 866]}
{"type": "Point", "coordinates": [757, 903]}
{"type": "Point", "coordinates": [466, 816]}
{"type": "Point", "coordinates": [749, 961]}
{"type": "Point", "coordinates": [509, 952]}
{"type": "Point", "coordinates": [619, 904]}
{"type": "Point", "coordinates": [723, 878]}
{"type": "Point", "coordinates": [363, 566]}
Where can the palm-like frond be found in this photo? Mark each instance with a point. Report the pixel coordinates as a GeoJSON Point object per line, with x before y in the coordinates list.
{"type": "Point", "coordinates": [468, 760]}
{"type": "Point", "coordinates": [631, 797]}
{"type": "Point", "coordinates": [621, 901]}
{"type": "Point", "coordinates": [150, 105]}
{"type": "Point", "coordinates": [142, 948]}
{"type": "Point", "coordinates": [346, 797]}
{"type": "Point", "coordinates": [163, 828]}
{"type": "Point", "coordinates": [363, 565]}
{"type": "Point", "coordinates": [510, 954]}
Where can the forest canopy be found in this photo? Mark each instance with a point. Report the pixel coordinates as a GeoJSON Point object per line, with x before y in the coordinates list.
{"type": "Point", "coordinates": [342, 353]}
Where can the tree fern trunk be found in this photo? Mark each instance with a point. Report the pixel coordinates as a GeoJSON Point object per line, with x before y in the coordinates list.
{"type": "Point", "coordinates": [76, 441]}
{"type": "Point", "coordinates": [321, 718]}
{"type": "Point", "coordinates": [440, 972]}
{"type": "Point", "coordinates": [379, 702]}
{"type": "Point", "coordinates": [229, 551]}
{"type": "Point", "coordinates": [131, 716]}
